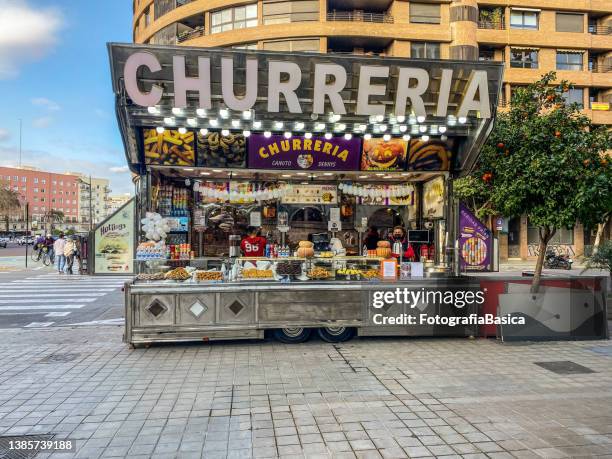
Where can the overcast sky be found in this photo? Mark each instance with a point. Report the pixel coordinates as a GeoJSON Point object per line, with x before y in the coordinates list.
{"type": "Point", "coordinates": [54, 75]}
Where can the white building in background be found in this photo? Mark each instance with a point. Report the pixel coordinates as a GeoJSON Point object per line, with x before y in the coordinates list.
{"type": "Point", "coordinates": [116, 201]}
{"type": "Point", "coordinates": [93, 200]}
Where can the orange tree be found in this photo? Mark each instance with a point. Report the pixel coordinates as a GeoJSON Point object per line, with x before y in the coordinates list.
{"type": "Point", "coordinates": [544, 159]}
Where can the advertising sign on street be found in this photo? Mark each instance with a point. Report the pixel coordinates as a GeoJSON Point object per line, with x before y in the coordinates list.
{"type": "Point", "coordinates": [475, 242]}
{"type": "Point", "coordinates": [114, 242]}
{"type": "Point", "coordinates": [316, 153]}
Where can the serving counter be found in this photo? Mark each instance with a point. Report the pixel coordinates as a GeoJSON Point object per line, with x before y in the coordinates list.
{"type": "Point", "coordinates": [174, 312]}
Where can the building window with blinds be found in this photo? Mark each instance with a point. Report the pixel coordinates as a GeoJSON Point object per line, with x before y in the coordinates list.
{"type": "Point", "coordinates": [524, 58]}
{"type": "Point", "coordinates": [284, 11]}
{"type": "Point", "coordinates": [239, 17]}
{"type": "Point", "coordinates": [567, 22]}
{"type": "Point", "coordinates": [574, 96]}
{"type": "Point", "coordinates": [425, 50]}
{"type": "Point", "coordinates": [425, 13]}
{"type": "Point", "coordinates": [569, 61]}
{"type": "Point", "coordinates": [311, 45]}
{"type": "Point", "coordinates": [520, 19]}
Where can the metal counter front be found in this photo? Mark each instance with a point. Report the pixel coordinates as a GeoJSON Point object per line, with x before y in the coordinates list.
{"type": "Point", "coordinates": [175, 312]}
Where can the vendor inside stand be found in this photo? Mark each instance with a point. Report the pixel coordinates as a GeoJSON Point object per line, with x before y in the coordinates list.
{"type": "Point", "coordinates": [253, 245]}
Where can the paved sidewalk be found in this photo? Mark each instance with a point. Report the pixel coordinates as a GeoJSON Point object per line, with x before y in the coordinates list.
{"type": "Point", "coordinates": [367, 398]}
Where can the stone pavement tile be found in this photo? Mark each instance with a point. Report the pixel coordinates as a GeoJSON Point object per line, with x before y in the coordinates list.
{"type": "Point", "coordinates": [286, 450]}
{"type": "Point", "coordinates": [488, 447]}
{"type": "Point", "coordinates": [550, 453]}
{"type": "Point", "coordinates": [500, 455]}
{"type": "Point", "coordinates": [240, 454]}
{"type": "Point", "coordinates": [393, 453]}
{"type": "Point", "coordinates": [440, 450]}
{"type": "Point", "coordinates": [465, 448]}
{"type": "Point", "coordinates": [417, 451]}
{"type": "Point", "coordinates": [368, 454]}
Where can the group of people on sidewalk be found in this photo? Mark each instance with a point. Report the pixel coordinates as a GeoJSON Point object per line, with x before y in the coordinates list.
{"type": "Point", "coordinates": [66, 253]}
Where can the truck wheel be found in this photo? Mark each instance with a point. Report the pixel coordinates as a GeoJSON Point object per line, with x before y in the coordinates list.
{"type": "Point", "coordinates": [292, 335]}
{"type": "Point", "coordinates": [336, 334]}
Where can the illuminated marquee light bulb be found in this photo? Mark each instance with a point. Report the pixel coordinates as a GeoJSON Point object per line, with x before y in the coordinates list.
{"type": "Point", "coordinates": [462, 120]}
{"type": "Point", "coordinates": [278, 125]}
{"type": "Point", "coordinates": [267, 134]}
{"type": "Point", "coordinates": [406, 137]}
{"type": "Point", "coordinates": [401, 118]}
{"type": "Point", "coordinates": [442, 129]}
{"type": "Point", "coordinates": [177, 111]}
{"type": "Point", "coordinates": [201, 112]}
{"type": "Point", "coordinates": [341, 127]}
{"type": "Point", "coordinates": [287, 135]}
{"type": "Point", "coordinates": [380, 118]}
{"type": "Point", "coordinates": [382, 127]}
{"type": "Point", "coordinates": [247, 114]}
{"type": "Point", "coordinates": [182, 130]}
{"type": "Point", "coordinates": [236, 123]}
{"type": "Point", "coordinates": [425, 138]}
{"type": "Point", "coordinates": [153, 110]}
{"type": "Point", "coordinates": [328, 135]}
{"type": "Point", "coordinates": [348, 136]}
{"type": "Point", "coordinates": [192, 122]}
{"type": "Point", "coordinates": [160, 129]}
{"type": "Point", "coordinates": [386, 137]}
{"type": "Point", "coordinates": [169, 120]}
{"type": "Point", "coordinates": [213, 122]}
{"type": "Point", "coordinates": [443, 138]}
{"type": "Point", "coordinates": [412, 119]}
{"type": "Point", "coordinates": [308, 135]}
{"type": "Point", "coordinates": [246, 133]}
{"type": "Point", "coordinates": [363, 127]}
{"type": "Point", "coordinates": [319, 126]}
{"type": "Point", "coordinates": [225, 132]}
{"type": "Point", "coordinates": [299, 126]}
{"type": "Point", "coordinates": [367, 136]}
{"type": "Point", "coordinates": [224, 113]}
{"type": "Point", "coordinates": [203, 131]}
{"type": "Point", "coordinates": [403, 128]}
{"type": "Point", "coordinates": [422, 128]}
{"type": "Point", "coordinates": [256, 124]}
{"type": "Point", "coordinates": [421, 119]}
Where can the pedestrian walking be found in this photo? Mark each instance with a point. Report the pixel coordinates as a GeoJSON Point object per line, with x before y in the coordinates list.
{"type": "Point", "coordinates": [58, 249]}
{"type": "Point", "coordinates": [71, 253]}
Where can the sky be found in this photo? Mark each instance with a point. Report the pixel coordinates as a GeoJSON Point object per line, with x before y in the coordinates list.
{"type": "Point", "coordinates": [55, 77]}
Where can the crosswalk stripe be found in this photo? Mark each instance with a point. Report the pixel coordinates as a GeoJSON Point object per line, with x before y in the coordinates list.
{"type": "Point", "coordinates": [58, 314]}
{"type": "Point", "coordinates": [41, 308]}
{"type": "Point", "coordinates": [9, 294]}
{"type": "Point", "coordinates": [51, 300]}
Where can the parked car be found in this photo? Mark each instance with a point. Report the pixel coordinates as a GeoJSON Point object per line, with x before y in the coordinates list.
{"type": "Point", "coordinates": [4, 242]}
{"type": "Point", "coordinates": [29, 240]}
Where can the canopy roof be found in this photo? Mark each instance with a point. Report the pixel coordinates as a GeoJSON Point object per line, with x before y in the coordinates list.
{"type": "Point", "coordinates": [441, 105]}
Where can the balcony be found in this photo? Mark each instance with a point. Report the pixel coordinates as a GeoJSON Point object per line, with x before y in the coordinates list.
{"type": "Point", "coordinates": [190, 34]}
{"type": "Point", "coordinates": [600, 68]}
{"type": "Point", "coordinates": [490, 25]}
{"type": "Point", "coordinates": [360, 16]}
{"type": "Point", "coordinates": [600, 30]}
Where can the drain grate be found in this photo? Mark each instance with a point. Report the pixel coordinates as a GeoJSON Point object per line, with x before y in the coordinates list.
{"type": "Point", "coordinates": [59, 358]}
{"type": "Point", "coordinates": [6, 452]}
{"type": "Point", "coordinates": [565, 367]}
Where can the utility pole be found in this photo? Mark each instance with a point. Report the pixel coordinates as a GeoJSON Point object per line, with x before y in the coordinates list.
{"type": "Point", "coordinates": [27, 222]}
{"type": "Point", "coordinates": [90, 206]}
{"type": "Point", "coordinates": [20, 137]}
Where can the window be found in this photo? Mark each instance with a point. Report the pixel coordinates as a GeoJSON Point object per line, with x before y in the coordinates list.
{"type": "Point", "coordinates": [424, 50]}
{"type": "Point", "coordinates": [35, 199]}
{"type": "Point", "coordinates": [147, 16]}
{"type": "Point", "coordinates": [562, 236]}
{"type": "Point", "coordinates": [283, 11]}
{"type": "Point", "coordinates": [567, 22]}
{"type": "Point", "coordinates": [24, 179]}
{"type": "Point", "coordinates": [524, 58]}
{"type": "Point", "coordinates": [425, 13]}
{"type": "Point", "coordinates": [15, 178]}
{"type": "Point", "coordinates": [239, 17]}
{"type": "Point", "coordinates": [35, 190]}
{"type": "Point", "coordinates": [569, 61]}
{"type": "Point", "coordinates": [43, 181]}
{"type": "Point", "coordinates": [62, 183]}
{"type": "Point", "coordinates": [574, 96]}
{"type": "Point", "coordinates": [292, 45]}
{"type": "Point", "coordinates": [42, 190]}
{"type": "Point", "coordinates": [246, 46]}
{"type": "Point", "coordinates": [520, 19]}
{"type": "Point", "coordinates": [54, 182]}
{"type": "Point", "coordinates": [35, 179]}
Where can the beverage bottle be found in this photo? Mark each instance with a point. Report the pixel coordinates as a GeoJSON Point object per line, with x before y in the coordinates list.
{"type": "Point", "coordinates": [267, 251]}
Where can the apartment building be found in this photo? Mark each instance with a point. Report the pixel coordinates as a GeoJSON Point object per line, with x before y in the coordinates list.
{"type": "Point", "coordinates": [531, 37]}
{"type": "Point", "coordinates": [116, 201]}
{"type": "Point", "coordinates": [93, 200]}
{"type": "Point", "coordinates": [47, 193]}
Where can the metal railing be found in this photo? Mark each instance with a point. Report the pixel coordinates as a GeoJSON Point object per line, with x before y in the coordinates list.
{"type": "Point", "coordinates": [596, 68]}
{"type": "Point", "coordinates": [195, 33]}
{"type": "Point", "coordinates": [501, 25]}
{"type": "Point", "coordinates": [353, 16]}
{"type": "Point", "coordinates": [600, 30]}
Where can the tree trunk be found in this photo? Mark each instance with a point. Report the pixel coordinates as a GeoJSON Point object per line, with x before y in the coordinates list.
{"type": "Point", "coordinates": [600, 229]}
{"type": "Point", "coordinates": [545, 236]}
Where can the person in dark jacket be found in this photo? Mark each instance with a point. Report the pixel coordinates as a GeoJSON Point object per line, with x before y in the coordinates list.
{"type": "Point", "coordinates": [372, 238]}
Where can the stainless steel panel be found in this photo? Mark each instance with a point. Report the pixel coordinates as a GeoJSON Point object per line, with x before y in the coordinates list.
{"type": "Point", "coordinates": [196, 309]}
{"type": "Point", "coordinates": [155, 310]}
{"type": "Point", "coordinates": [236, 308]}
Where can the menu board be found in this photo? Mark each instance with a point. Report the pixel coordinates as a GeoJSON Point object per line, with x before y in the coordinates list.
{"type": "Point", "coordinates": [407, 200]}
{"type": "Point", "coordinates": [381, 155]}
{"type": "Point", "coordinates": [475, 242]}
{"type": "Point", "coordinates": [114, 242]}
{"type": "Point", "coordinates": [299, 153]}
{"type": "Point", "coordinates": [432, 155]}
{"type": "Point", "coordinates": [216, 150]}
{"type": "Point", "coordinates": [169, 148]}
{"type": "Point", "coordinates": [311, 194]}
{"type": "Point", "coordinates": [433, 198]}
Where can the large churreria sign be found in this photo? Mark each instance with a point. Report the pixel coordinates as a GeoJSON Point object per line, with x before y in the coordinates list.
{"type": "Point", "coordinates": [316, 153]}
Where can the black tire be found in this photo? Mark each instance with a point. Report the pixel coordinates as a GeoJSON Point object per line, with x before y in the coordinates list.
{"type": "Point", "coordinates": [336, 334]}
{"type": "Point", "coordinates": [35, 255]}
{"type": "Point", "coordinates": [292, 335]}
